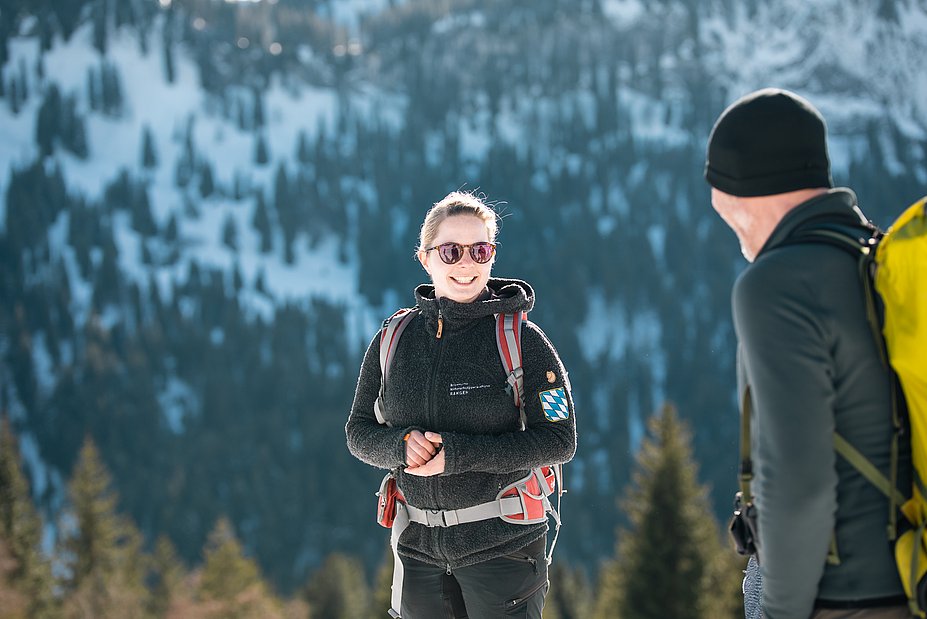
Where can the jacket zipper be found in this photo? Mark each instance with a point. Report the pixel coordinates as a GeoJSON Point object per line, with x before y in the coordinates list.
{"type": "Point", "coordinates": [431, 415]}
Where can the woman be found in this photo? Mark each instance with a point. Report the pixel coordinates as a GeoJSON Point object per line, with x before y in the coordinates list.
{"type": "Point", "coordinates": [454, 436]}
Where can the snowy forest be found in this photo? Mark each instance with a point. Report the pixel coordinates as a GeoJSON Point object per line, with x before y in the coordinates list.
{"type": "Point", "coordinates": [207, 207]}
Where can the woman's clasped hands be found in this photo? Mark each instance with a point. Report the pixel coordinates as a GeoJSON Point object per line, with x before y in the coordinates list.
{"type": "Point", "coordinates": [424, 456]}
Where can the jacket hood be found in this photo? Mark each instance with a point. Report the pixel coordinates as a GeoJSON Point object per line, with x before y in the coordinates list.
{"type": "Point", "coordinates": [502, 296]}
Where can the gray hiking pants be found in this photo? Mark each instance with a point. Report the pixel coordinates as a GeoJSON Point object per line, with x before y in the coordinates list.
{"type": "Point", "coordinates": [509, 586]}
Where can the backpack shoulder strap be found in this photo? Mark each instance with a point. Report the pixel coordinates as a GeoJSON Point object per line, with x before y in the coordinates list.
{"type": "Point", "coordinates": [389, 341]}
{"type": "Point", "coordinates": [863, 249]}
{"type": "Point", "coordinates": [508, 340]}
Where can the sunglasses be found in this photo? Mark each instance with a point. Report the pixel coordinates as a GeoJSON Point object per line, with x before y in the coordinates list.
{"type": "Point", "coordinates": [451, 253]}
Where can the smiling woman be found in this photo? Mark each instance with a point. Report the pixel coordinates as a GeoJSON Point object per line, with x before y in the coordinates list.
{"type": "Point", "coordinates": [460, 257]}
{"type": "Point", "coordinates": [465, 435]}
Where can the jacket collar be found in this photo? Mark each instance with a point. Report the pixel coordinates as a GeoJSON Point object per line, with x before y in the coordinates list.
{"type": "Point", "coordinates": [837, 206]}
{"type": "Point", "coordinates": [502, 296]}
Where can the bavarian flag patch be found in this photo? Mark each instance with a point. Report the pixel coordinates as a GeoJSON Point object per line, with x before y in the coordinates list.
{"type": "Point", "coordinates": [554, 404]}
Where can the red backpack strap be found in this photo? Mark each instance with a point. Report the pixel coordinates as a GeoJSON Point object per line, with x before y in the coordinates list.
{"type": "Point", "coordinates": [508, 340]}
{"type": "Point", "coordinates": [389, 341]}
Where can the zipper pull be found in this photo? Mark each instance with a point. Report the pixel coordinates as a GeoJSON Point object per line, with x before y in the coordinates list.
{"type": "Point", "coordinates": [440, 325]}
{"type": "Point", "coordinates": [448, 569]}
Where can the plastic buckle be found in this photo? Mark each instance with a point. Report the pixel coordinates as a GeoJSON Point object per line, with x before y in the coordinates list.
{"type": "Point", "coordinates": [435, 518]}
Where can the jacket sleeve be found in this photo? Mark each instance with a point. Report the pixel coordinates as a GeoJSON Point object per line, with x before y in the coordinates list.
{"type": "Point", "coordinates": [785, 342]}
{"type": "Point", "coordinates": [545, 440]}
{"type": "Point", "coordinates": [368, 440]}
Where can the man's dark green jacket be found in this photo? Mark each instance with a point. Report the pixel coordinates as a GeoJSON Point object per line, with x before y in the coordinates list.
{"type": "Point", "coordinates": [810, 358]}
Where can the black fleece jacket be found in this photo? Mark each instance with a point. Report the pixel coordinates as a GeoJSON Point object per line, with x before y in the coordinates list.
{"type": "Point", "coordinates": [456, 385]}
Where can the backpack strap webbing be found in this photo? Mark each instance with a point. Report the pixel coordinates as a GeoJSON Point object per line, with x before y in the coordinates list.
{"type": "Point", "coordinates": [745, 475]}
{"type": "Point", "coordinates": [389, 341]}
{"type": "Point", "coordinates": [508, 340]}
{"type": "Point", "coordinates": [863, 249]}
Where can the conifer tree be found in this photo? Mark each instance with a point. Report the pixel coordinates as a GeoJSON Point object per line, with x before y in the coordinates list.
{"type": "Point", "coordinates": [167, 43]}
{"type": "Point", "coordinates": [74, 133]}
{"type": "Point", "coordinates": [207, 185]}
{"type": "Point", "coordinates": [166, 576]}
{"type": "Point", "coordinates": [338, 589]}
{"type": "Point", "coordinates": [48, 121]}
{"type": "Point", "coordinates": [142, 218]}
{"type": "Point", "coordinates": [260, 283]}
{"type": "Point", "coordinates": [93, 89]}
{"type": "Point", "coordinates": [171, 231]}
{"type": "Point", "coordinates": [230, 583]}
{"type": "Point", "coordinates": [100, 24]}
{"type": "Point", "coordinates": [14, 96]}
{"type": "Point", "coordinates": [149, 155]}
{"type": "Point", "coordinates": [258, 119]}
{"type": "Point", "coordinates": [261, 154]}
{"type": "Point", "coordinates": [303, 151]}
{"type": "Point", "coordinates": [21, 534]}
{"type": "Point", "coordinates": [670, 562]}
{"type": "Point", "coordinates": [570, 595]}
{"type": "Point", "coordinates": [13, 603]}
{"type": "Point", "coordinates": [106, 568]}
{"type": "Point", "coordinates": [381, 596]}
{"type": "Point", "coordinates": [111, 88]}
{"type": "Point", "coordinates": [230, 233]}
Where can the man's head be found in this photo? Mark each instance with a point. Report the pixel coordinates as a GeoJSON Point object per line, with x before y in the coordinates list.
{"type": "Point", "coordinates": [770, 141]}
{"type": "Point", "coordinates": [766, 154]}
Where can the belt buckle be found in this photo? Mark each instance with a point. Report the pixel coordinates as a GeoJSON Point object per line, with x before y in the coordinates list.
{"type": "Point", "coordinates": [435, 518]}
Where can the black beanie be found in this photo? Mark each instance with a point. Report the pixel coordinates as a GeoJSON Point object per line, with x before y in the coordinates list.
{"type": "Point", "coordinates": [770, 141]}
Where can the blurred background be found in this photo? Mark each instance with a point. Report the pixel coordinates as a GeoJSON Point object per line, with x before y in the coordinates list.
{"type": "Point", "coordinates": [207, 207]}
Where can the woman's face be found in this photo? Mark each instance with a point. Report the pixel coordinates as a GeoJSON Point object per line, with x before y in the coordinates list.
{"type": "Point", "coordinates": [466, 279]}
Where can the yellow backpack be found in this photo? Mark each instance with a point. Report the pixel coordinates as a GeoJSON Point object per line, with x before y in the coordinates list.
{"type": "Point", "coordinates": [901, 281]}
{"type": "Point", "coordinates": [897, 268]}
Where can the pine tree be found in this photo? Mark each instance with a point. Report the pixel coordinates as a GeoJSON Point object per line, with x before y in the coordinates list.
{"type": "Point", "coordinates": [171, 231]}
{"type": "Point", "coordinates": [230, 233]}
{"type": "Point", "coordinates": [381, 596]}
{"type": "Point", "coordinates": [166, 576]}
{"type": "Point", "coordinates": [149, 156]}
{"type": "Point", "coordinates": [13, 603]}
{"type": "Point", "coordinates": [100, 24]}
{"type": "Point", "coordinates": [14, 97]}
{"type": "Point", "coordinates": [260, 283]}
{"type": "Point", "coordinates": [103, 552]}
{"type": "Point", "coordinates": [48, 121]}
{"type": "Point", "coordinates": [570, 595]}
{"type": "Point", "coordinates": [261, 154]}
{"type": "Point", "coordinates": [111, 83]}
{"type": "Point", "coordinates": [670, 563]}
{"type": "Point", "coordinates": [207, 185]}
{"type": "Point", "coordinates": [338, 589]}
{"type": "Point", "coordinates": [93, 90]}
{"type": "Point", "coordinates": [142, 218]}
{"type": "Point", "coordinates": [303, 152]}
{"type": "Point", "coordinates": [258, 119]}
{"type": "Point", "coordinates": [170, 73]}
{"type": "Point", "coordinates": [21, 534]}
{"type": "Point", "coordinates": [75, 140]}
{"type": "Point", "coordinates": [231, 581]}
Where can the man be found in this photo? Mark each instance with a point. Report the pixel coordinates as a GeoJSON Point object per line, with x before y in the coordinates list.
{"type": "Point", "coordinates": [807, 355]}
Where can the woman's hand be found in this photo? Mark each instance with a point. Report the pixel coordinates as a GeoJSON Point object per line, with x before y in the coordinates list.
{"type": "Point", "coordinates": [419, 449]}
{"type": "Point", "coordinates": [434, 466]}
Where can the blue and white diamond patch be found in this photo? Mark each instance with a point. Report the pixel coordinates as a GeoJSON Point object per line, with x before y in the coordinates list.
{"type": "Point", "coordinates": [554, 404]}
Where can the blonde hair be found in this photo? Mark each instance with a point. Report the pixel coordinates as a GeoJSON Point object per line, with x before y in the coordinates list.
{"type": "Point", "coordinates": [456, 203]}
